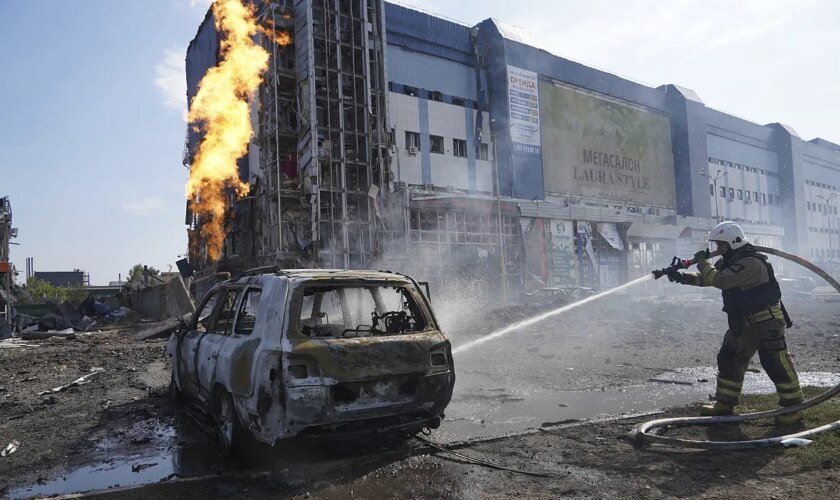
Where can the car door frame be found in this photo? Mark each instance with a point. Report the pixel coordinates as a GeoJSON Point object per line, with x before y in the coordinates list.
{"type": "Point", "coordinates": [187, 344]}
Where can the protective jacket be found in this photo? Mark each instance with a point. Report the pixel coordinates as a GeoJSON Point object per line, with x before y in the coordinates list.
{"type": "Point", "coordinates": [748, 286]}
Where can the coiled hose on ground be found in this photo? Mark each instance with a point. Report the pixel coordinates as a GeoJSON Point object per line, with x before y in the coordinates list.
{"type": "Point", "coordinates": [640, 435]}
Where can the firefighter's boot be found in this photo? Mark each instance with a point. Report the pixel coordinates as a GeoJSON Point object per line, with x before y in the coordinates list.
{"type": "Point", "coordinates": [717, 409]}
{"type": "Point", "coordinates": [789, 418]}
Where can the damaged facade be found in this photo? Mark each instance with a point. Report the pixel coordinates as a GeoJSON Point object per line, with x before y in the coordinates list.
{"type": "Point", "coordinates": [387, 138]}
{"type": "Point", "coordinates": [7, 269]}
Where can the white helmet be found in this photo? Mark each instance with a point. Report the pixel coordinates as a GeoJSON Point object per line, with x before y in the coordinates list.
{"type": "Point", "coordinates": [729, 233]}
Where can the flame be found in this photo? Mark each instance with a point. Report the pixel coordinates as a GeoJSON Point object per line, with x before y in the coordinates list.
{"type": "Point", "coordinates": [270, 31]}
{"type": "Point", "coordinates": [221, 110]}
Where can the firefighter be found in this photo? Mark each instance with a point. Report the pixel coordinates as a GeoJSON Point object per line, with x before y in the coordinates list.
{"type": "Point", "coordinates": [756, 317]}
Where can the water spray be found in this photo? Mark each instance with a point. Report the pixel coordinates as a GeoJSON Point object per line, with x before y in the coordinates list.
{"type": "Point", "coordinates": [640, 435]}
{"type": "Point", "coordinates": [544, 316]}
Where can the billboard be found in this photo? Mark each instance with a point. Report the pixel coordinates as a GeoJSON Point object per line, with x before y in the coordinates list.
{"type": "Point", "coordinates": [599, 148]}
{"type": "Point", "coordinates": [524, 126]}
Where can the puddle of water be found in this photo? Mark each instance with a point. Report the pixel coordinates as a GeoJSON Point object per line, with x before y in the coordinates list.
{"type": "Point", "coordinates": [166, 459]}
{"type": "Point", "coordinates": [481, 414]}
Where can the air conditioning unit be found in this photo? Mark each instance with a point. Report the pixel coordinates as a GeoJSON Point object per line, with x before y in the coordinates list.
{"type": "Point", "coordinates": [412, 150]}
{"type": "Point", "coordinates": [429, 187]}
{"type": "Point", "coordinates": [450, 189]}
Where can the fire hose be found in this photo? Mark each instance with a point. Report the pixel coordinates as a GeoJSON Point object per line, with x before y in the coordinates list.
{"type": "Point", "coordinates": [640, 434]}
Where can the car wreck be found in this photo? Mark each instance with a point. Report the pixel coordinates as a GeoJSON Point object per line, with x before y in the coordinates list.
{"type": "Point", "coordinates": [321, 353]}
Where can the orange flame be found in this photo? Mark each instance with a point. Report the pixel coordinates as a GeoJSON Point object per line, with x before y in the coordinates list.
{"type": "Point", "coordinates": [221, 109]}
{"type": "Point", "coordinates": [280, 37]}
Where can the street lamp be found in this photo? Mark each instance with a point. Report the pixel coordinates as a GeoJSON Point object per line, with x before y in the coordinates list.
{"type": "Point", "coordinates": [827, 201]}
{"type": "Point", "coordinates": [718, 175]}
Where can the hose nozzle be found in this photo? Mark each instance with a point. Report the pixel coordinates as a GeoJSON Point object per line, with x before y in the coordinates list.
{"type": "Point", "coordinates": [677, 264]}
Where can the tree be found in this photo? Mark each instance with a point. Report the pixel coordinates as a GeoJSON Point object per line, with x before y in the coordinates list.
{"type": "Point", "coordinates": [138, 271]}
{"type": "Point", "coordinates": [44, 292]}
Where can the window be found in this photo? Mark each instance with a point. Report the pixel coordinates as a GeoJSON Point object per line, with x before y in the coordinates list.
{"type": "Point", "coordinates": [358, 311]}
{"type": "Point", "coordinates": [203, 323]}
{"type": "Point", "coordinates": [720, 162]}
{"type": "Point", "coordinates": [809, 205]}
{"type": "Point", "coordinates": [412, 91]}
{"type": "Point", "coordinates": [729, 164]}
{"type": "Point", "coordinates": [435, 96]}
{"type": "Point", "coordinates": [747, 196]}
{"type": "Point", "coordinates": [731, 193]}
{"type": "Point", "coordinates": [755, 196]}
{"type": "Point", "coordinates": [247, 317]}
{"type": "Point", "coordinates": [711, 189]}
{"type": "Point", "coordinates": [740, 194]}
{"type": "Point", "coordinates": [457, 101]}
{"type": "Point", "coordinates": [723, 191]}
{"type": "Point", "coordinates": [483, 151]}
{"type": "Point", "coordinates": [436, 144]}
{"type": "Point", "coordinates": [412, 140]}
{"type": "Point", "coordinates": [763, 198]}
{"type": "Point", "coordinates": [224, 318]}
{"type": "Point", "coordinates": [459, 148]}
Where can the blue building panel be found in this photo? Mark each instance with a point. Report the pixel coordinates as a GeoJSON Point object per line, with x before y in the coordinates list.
{"type": "Point", "coordinates": [741, 153]}
{"type": "Point", "coordinates": [425, 33]}
{"type": "Point", "coordinates": [424, 71]}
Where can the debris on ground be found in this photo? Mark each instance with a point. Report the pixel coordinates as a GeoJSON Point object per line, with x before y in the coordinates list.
{"type": "Point", "coordinates": [79, 381]}
{"type": "Point", "coordinates": [161, 328]}
{"type": "Point", "coordinates": [669, 381]}
{"type": "Point", "coordinates": [11, 448]}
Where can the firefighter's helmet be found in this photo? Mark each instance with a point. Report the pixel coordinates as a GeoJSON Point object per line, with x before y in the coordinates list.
{"type": "Point", "coordinates": [729, 233]}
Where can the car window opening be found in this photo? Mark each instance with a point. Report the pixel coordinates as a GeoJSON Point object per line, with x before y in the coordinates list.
{"type": "Point", "coordinates": [359, 311]}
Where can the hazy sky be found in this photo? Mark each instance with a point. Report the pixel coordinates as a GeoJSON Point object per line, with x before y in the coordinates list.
{"type": "Point", "coordinates": [91, 99]}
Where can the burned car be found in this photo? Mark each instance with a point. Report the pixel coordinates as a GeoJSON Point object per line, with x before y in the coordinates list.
{"type": "Point", "coordinates": [341, 354]}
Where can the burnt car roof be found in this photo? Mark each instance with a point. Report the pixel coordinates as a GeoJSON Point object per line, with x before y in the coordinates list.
{"type": "Point", "coordinates": [318, 274]}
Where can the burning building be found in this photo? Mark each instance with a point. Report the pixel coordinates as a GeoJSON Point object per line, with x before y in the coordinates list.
{"type": "Point", "coordinates": [387, 138]}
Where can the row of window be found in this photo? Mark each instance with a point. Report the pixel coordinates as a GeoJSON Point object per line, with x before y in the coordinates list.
{"type": "Point", "coordinates": [823, 230]}
{"type": "Point", "coordinates": [820, 184]}
{"type": "Point", "coordinates": [746, 196]}
{"type": "Point", "coordinates": [825, 253]}
{"type": "Point", "coordinates": [436, 145]}
{"type": "Point", "coordinates": [822, 208]}
{"type": "Point", "coordinates": [745, 168]}
{"type": "Point", "coordinates": [432, 95]}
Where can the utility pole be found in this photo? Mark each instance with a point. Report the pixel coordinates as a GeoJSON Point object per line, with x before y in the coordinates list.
{"type": "Point", "coordinates": [827, 201]}
{"type": "Point", "coordinates": [718, 175]}
{"type": "Point", "coordinates": [502, 256]}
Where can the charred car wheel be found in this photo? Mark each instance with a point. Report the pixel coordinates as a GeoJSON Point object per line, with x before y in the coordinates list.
{"type": "Point", "coordinates": [228, 428]}
{"type": "Point", "coordinates": [173, 391]}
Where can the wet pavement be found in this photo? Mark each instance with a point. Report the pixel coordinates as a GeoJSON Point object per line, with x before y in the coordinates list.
{"type": "Point", "coordinates": [480, 412]}
{"type": "Point", "coordinates": [178, 450]}
{"type": "Point", "coordinates": [163, 450]}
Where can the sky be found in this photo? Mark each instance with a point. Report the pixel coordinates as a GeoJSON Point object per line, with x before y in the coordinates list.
{"type": "Point", "coordinates": [92, 99]}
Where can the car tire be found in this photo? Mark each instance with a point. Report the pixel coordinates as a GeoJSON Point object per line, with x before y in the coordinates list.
{"type": "Point", "coordinates": [173, 391]}
{"type": "Point", "coordinates": [229, 430]}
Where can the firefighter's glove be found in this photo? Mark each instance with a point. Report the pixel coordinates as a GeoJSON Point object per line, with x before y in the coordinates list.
{"type": "Point", "coordinates": [675, 277]}
{"type": "Point", "coordinates": [701, 256]}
